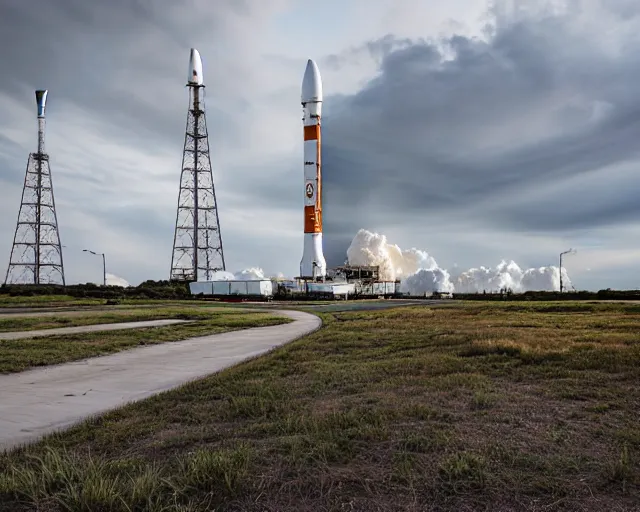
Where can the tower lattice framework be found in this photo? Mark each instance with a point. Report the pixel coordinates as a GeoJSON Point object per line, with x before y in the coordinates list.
{"type": "Point", "coordinates": [36, 253]}
{"type": "Point", "coordinates": [197, 244]}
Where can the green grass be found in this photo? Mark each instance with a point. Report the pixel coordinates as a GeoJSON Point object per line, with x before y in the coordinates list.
{"type": "Point", "coordinates": [63, 302]}
{"type": "Point", "coordinates": [472, 407]}
{"type": "Point", "coordinates": [8, 301]}
{"type": "Point", "coordinates": [79, 318]}
{"type": "Point", "coordinates": [22, 354]}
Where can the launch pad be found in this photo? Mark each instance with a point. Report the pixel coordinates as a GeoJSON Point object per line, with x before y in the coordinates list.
{"type": "Point", "coordinates": [340, 283]}
{"type": "Point", "coordinates": [315, 281]}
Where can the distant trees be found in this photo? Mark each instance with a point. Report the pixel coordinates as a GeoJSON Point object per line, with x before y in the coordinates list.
{"type": "Point", "coordinates": [147, 290]}
{"type": "Point", "coordinates": [180, 290]}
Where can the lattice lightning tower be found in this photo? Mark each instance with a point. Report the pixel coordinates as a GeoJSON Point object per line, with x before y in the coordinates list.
{"type": "Point", "coordinates": [36, 254]}
{"type": "Point", "coordinates": [197, 243]}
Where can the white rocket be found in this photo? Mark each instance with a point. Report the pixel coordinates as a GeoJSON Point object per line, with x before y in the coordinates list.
{"type": "Point", "coordinates": [195, 68]}
{"type": "Point", "coordinates": [313, 264]}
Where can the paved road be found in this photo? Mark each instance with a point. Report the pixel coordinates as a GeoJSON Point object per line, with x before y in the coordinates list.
{"type": "Point", "coordinates": [36, 402]}
{"type": "Point", "coordinates": [16, 335]}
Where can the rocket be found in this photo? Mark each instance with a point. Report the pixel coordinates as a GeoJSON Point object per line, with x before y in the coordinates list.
{"type": "Point", "coordinates": [195, 68]}
{"type": "Point", "coordinates": [313, 264]}
{"type": "Point", "coordinates": [41, 102]}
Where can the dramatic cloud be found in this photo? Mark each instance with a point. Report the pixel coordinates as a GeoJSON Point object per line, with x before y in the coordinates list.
{"type": "Point", "coordinates": [531, 128]}
{"type": "Point", "coordinates": [484, 133]}
{"type": "Point", "coordinates": [117, 104]}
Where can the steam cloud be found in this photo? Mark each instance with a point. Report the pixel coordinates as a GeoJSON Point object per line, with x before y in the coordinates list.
{"type": "Point", "coordinates": [419, 272]}
{"type": "Point", "coordinates": [113, 280]}
{"type": "Point", "coordinates": [248, 274]}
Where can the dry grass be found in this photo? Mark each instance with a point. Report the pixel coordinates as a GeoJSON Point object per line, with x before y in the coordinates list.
{"type": "Point", "coordinates": [8, 301]}
{"type": "Point", "coordinates": [33, 322]}
{"type": "Point", "coordinates": [22, 354]}
{"type": "Point", "coordinates": [478, 407]}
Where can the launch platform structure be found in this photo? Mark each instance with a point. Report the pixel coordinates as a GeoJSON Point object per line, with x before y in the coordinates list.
{"type": "Point", "coordinates": [36, 253]}
{"type": "Point", "coordinates": [197, 242]}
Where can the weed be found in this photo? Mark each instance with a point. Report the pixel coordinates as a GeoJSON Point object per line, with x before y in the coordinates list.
{"type": "Point", "coordinates": [621, 471]}
{"type": "Point", "coordinates": [483, 400]}
{"type": "Point", "coordinates": [463, 470]}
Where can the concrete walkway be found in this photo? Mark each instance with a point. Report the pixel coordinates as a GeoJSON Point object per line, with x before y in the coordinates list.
{"type": "Point", "coordinates": [87, 328]}
{"type": "Point", "coordinates": [36, 402]}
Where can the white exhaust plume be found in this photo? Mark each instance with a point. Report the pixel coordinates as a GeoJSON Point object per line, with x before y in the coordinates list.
{"type": "Point", "coordinates": [248, 274]}
{"type": "Point", "coordinates": [113, 280]}
{"type": "Point", "coordinates": [476, 280]}
{"type": "Point", "coordinates": [511, 276]}
{"type": "Point", "coordinates": [419, 273]}
{"type": "Point", "coordinates": [423, 281]}
{"type": "Point", "coordinates": [369, 248]}
{"type": "Point", "coordinates": [545, 279]}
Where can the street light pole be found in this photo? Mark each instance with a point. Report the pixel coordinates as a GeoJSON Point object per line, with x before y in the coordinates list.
{"type": "Point", "coordinates": [104, 271]}
{"type": "Point", "coordinates": [570, 251]}
{"type": "Point", "coordinates": [104, 265]}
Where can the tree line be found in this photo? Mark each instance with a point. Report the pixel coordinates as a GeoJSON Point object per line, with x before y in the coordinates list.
{"type": "Point", "coordinates": [180, 290]}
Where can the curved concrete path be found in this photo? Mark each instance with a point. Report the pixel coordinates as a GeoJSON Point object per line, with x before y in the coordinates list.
{"type": "Point", "coordinates": [79, 329]}
{"type": "Point", "coordinates": [37, 402]}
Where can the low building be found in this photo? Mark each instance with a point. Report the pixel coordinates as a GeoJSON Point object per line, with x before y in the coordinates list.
{"type": "Point", "coordinates": [255, 288]}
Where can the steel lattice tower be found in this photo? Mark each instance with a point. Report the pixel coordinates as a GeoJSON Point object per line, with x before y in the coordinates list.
{"type": "Point", "coordinates": [36, 254]}
{"type": "Point", "coordinates": [197, 242]}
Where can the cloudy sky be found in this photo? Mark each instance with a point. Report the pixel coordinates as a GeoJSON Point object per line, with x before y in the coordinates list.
{"type": "Point", "coordinates": [474, 130]}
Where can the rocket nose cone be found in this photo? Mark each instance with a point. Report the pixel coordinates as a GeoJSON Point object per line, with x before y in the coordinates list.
{"type": "Point", "coordinates": [195, 68]}
{"type": "Point", "coordinates": [311, 83]}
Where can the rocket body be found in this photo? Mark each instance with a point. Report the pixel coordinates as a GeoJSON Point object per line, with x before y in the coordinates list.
{"type": "Point", "coordinates": [313, 264]}
{"type": "Point", "coordinates": [41, 102]}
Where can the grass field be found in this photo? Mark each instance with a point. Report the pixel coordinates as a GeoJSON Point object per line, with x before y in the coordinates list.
{"type": "Point", "coordinates": [475, 407]}
{"type": "Point", "coordinates": [7, 301]}
{"type": "Point", "coordinates": [78, 318]}
{"type": "Point", "coordinates": [19, 355]}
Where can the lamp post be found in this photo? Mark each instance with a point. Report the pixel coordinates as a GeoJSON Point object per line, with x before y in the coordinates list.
{"type": "Point", "coordinates": [104, 265]}
{"type": "Point", "coordinates": [570, 251]}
